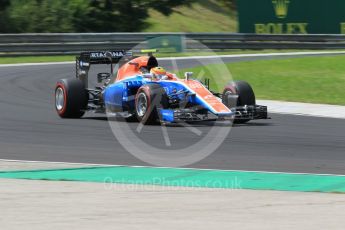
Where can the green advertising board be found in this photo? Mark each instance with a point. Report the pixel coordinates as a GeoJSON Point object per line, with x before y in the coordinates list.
{"type": "Point", "coordinates": [291, 16]}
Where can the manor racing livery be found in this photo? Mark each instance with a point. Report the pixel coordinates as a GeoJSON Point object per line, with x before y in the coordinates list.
{"type": "Point", "coordinates": [142, 90]}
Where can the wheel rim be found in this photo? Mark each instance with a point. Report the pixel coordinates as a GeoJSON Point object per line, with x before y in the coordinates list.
{"type": "Point", "coordinates": [141, 104]}
{"type": "Point", "coordinates": [59, 98]}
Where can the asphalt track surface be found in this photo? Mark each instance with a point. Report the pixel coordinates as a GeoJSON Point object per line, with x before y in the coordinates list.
{"type": "Point", "coordinates": [31, 130]}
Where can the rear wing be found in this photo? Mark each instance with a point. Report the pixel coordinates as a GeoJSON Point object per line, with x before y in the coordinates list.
{"type": "Point", "coordinates": [86, 59]}
{"type": "Point", "coordinates": [101, 57]}
{"type": "Point", "coordinates": [110, 57]}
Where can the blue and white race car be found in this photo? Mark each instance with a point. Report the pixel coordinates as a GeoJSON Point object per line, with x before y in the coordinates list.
{"type": "Point", "coordinates": [141, 90]}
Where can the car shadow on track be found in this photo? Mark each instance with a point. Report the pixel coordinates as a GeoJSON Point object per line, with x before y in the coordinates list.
{"type": "Point", "coordinates": [193, 124]}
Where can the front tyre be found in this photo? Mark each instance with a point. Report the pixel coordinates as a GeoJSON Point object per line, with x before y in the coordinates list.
{"type": "Point", "coordinates": [238, 93]}
{"type": "Point", "coordinates": [71, 98]}
{"type": "Point", "coordinates": [148, 100]}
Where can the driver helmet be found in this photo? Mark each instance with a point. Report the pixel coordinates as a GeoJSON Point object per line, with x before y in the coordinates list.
{"type": "Point", "coordinates": [158, 72]}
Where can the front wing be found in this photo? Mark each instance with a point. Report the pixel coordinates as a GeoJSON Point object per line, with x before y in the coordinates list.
{"type": "Point", "coordinates": [253, 112]}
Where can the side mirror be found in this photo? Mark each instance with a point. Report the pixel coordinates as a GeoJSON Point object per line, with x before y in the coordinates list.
{"type": "Point", "coordinates": [136, 64]}
{"type": "Point", "coordinates": [188, 75]}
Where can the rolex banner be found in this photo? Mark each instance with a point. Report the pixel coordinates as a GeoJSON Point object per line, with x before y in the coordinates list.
{"type": "Point", "coordinates": [291, 16]}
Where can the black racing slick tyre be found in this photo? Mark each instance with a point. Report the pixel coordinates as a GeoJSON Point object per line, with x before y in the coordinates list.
{"type": "Point", "coordinates": [148, 100]}
{"type": "Point", "coordinates": [243, 95]}
{"type": "Point", "coordinates": [71, 98]}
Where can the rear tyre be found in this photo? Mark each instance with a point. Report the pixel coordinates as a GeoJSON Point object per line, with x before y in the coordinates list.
{"type": "Point", "coordinates": [245, 96]}
{"type": "Point", "coordinates": [71, 98]}
{"type": "Point", "coordinates": [148, 100]}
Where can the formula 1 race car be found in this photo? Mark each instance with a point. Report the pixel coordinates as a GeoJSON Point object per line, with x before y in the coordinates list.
{"type": "Point", "coordinates": [141, 90]}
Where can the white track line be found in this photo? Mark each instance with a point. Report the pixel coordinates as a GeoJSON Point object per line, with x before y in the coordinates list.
{"type": "Point", "coordinates": [140, 166]}
{"type": "Point", "coordinates": [304, 109]}
{"type": "Point", "coordinates": [196, 57]}
{"type": "Point", "coordinates": [255, 55]}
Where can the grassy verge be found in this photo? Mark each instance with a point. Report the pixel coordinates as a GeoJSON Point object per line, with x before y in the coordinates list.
{"type": "Point", "coordinates": [36, 59]}
{"type": "Point", "coordinates": [308, 79]}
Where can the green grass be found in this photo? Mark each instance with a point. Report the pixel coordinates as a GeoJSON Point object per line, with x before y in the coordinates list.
{"type": "Point", "coordinates": [308, 79]}
{"type": "Point", "coordinates": [201, 16]}
{"type": "Point", "coordinates": [36, 59]}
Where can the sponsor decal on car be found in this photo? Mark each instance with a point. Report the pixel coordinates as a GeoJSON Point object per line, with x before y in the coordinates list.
{"type": "Point", "coordinates": [105, 54]}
